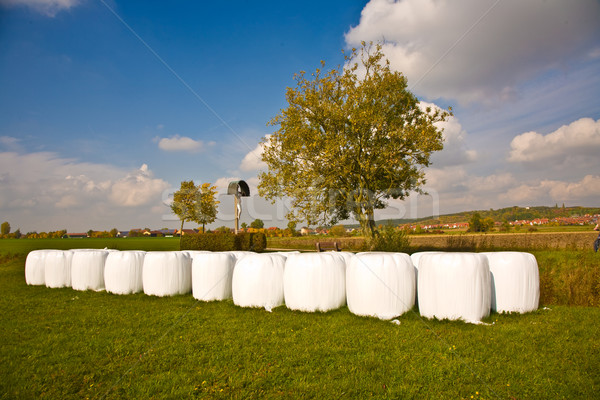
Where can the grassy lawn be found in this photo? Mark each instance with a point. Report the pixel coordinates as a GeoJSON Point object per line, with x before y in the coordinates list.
{"type": "Point", "coordinates": [61, 343]}
{"type": "Point", "coordinates": [24, 246]}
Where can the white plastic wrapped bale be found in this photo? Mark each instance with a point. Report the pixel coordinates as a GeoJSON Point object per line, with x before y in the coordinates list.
{"type": "Point", "coordinates": [416, 257]}
{"type": "Point", "coordinates": [87, 269]}
{"type": "Point", "coordinates": [167, 273]}
{"type": "Point", "coordinates": [35, 267]}
{"type": "Point", "coordinates": [192, 253]}
{"type": "Point", "coordinates": [314, 282]}
{"type": "Point", "coordinates": [239, 254]}
{"type": "Point", "coordinates": [380, 285]}
{"type": "Point", "coordinates": [343, 255]}
{"type": "Point", "coordinates": [515, 281]}
{"type": "Point", "coordinates": [454, 286]}
{"type": "Point", "coordinates": [286, 254]}
{"type": "Point", "coordinates": [123, 272]}
{"type": "Point", "coordinates": [211, 276]}
{"type": "Point", "coordinates": [258, 281]}
{"type": "Point", "coordinates": [58, 269]}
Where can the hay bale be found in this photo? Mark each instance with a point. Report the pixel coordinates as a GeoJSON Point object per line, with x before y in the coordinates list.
{"type": "Point", "coordinates": [515, 281]}
{"type": "Point", "coordinates": [87, 269]}
{"type": "Point", "coordinates": [454, 286]}
{"type": "Point", "coordinates": [314, 282]}
{"type": "Point", "coordinates": [58, 269]}
{"type": "Point", "coordinates": [35, 267]}
{"type": "Point", "coordinates": [258, 281]}
{"type": "Point", "coordinates": [380, 284]}
{"type": "Point", "coordinates": [167, 273]}
{"type": "Point", "coordinates": [123, 272]}
{"type": "Point", "coordinates": [212, 274]}
{"type": "Point", "coordinates": [239, 254]}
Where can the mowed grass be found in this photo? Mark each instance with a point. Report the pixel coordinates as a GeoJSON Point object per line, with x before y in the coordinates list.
{"type": "Point", "coordinates": [61, 343]}
{"type": "Point", "coordinates": [24, 246]}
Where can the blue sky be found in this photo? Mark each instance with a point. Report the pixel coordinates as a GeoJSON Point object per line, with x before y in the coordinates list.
{"type": "Point", "coordinates": [106, 105]}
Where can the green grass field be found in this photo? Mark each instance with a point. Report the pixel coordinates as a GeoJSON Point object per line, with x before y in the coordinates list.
{"type": "Point", "coordinates": [61, 343]}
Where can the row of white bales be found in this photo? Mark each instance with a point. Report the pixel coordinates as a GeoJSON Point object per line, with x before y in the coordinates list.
{"type": "Point", "coordinates": [446, 285]}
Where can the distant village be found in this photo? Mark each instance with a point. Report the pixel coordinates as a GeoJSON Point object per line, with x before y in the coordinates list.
{"type": "Point", "coordinates": [340, 230]}
{"type": "Point", "coordinates": [425, 226]}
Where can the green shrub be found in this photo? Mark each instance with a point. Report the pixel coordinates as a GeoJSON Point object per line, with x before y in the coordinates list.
{"type": "Point", "coordinates": [259, 242]}
{"type": "Point", "coordinates": [225, 241]}
{"type": "Point", "coordinates": [389, 238]}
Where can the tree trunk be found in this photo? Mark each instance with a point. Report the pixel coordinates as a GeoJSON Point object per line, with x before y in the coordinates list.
{"type": "Point", "coordinates": [180, 234]}
{"type": "Point", "coordinates": [367, 223]}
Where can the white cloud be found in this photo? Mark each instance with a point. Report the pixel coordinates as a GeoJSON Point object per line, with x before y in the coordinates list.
{"type": "Point", "coordinates": [67, 193]}
{"type": "Point", "coordinates": [137, 188]}
{"type": "Point", "coordinates": [223, 183]}
{"type": "Point", "coordinates": [10, 143]}
{"type": "Point", "coordinates": [584, 192]}
{"type": "Point", "coordinates": [180, 143]}
{"type": "Point", "coordinates": [579, 138]}
{"type": "Point", "coordinates": [478, 51]}
{"type": "Point", "coordinates": [252, 161]}
{"type": "Point", "coordinates": [47, 7]}
{"type": "Point", "coordinates": [455, 151]}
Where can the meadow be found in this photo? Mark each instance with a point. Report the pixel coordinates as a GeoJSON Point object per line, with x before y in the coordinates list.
{"type": "Point", "coordinates": [61, 343]}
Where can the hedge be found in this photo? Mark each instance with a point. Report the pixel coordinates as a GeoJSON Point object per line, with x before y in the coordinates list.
{"type": "Point", "coordinates": [244, 241]}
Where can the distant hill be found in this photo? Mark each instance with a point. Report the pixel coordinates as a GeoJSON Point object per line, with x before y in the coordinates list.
{"type": "Point", "coordinates": [500, 215]}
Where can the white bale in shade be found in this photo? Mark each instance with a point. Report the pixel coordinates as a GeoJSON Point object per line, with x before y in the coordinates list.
{"type": "Point", "coordinates": [167, 273]}
{"type": "Point", "coordinates": [343, 255]}
{"type": "Point", "coordinates": [258, 281]}
{"type": "Point", "coordinates": [211, 275]}
{"type": "Point", "coordinates": [515, 281]}
{"type": "Point", "coordinates": [314, 282]}
{"type": "Point", "coordinates": [416, 257]}
{"type": "Point", "coordinates": [192, 253]}
{"type": "Point", "coordinates": [454, 286]}
{"type": "Point", "coordinates": [123, 272]}
{"type": "Point", "coordinates": [286, 254]}
{"type": "Point", "coordinates": [239, 254]}
{"type": "Point", "coordinates": [380, 285]}
{"type": "Point", "coordinates": [58, 269]}
{"type": "Point", "coordinates": [35, 267]}
{"type": "Point", "coordinates": [87, 269]}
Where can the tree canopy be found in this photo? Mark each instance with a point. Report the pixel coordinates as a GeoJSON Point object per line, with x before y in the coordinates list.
{"type": "Point", "coordinates": [350, 139]}
{"type": "Point", "coordinates": [195, 203]}
{"type": "Point", "coordinates": [206, 211]}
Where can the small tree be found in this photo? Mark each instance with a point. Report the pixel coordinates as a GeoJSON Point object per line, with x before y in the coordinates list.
{"type": "Point", "coordinates": [257, 224]}
{"type": "Point", "coordinates": [475, 223]}
{"type": "Point", "coordinates": [5, 228]}
{"type": "Point", "coordinates": [184, 203]}
{"type": "Point", "coordinates": [292, 228]}
{"type": "Point", "coordinates": [338, 230]}
{"type": "Point", "coordinates": [113, 232]}
{"type": "Point", "coordinates": [478, 224]}
{"type": "Point", "coordinates": [206, 208]}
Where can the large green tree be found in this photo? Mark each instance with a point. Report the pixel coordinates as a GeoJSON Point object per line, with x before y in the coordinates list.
{"type": "Point", "coordinates": [350, 139]}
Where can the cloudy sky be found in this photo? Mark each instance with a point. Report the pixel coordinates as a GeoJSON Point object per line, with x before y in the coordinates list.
{"type": "Point", "coordinates": [106, 106]}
